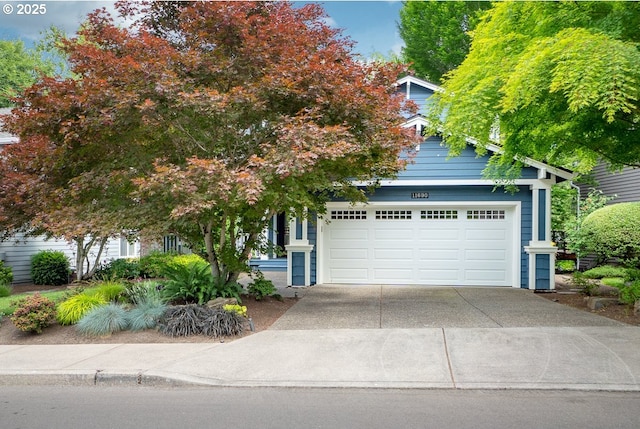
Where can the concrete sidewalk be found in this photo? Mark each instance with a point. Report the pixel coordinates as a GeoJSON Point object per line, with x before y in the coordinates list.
{"type": "Point", "coordinates": [371, 337]}
{"type": "Point", "coordinates": [588, 358]}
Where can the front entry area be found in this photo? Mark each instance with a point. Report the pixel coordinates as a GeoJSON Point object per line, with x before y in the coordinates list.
{"type": "Point", "coordinates": [423, 245]}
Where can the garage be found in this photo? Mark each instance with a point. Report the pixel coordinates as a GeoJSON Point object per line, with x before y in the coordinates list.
{"type": "Point", "coordinates": [425, 245]}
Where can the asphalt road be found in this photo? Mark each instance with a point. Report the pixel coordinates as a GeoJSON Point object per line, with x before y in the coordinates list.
{"type": "Point", "coordinates": [30, 407]}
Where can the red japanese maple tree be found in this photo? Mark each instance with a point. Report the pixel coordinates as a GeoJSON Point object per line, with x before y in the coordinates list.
{"type": "Point", "coordinates": [206, 118]}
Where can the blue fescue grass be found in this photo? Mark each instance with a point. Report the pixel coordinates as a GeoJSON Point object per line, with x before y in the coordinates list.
{"type": "Point", "coordinates": [146, 314]}
{"type": "Point", "coordinates": [104, 320]}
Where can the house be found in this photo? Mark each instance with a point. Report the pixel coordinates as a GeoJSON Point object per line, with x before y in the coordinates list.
{"type": "Point", "coordinates": [440, 223]}
{"type": "Point", "coordinates": [16, 252]}
{"type": "Point", "coordinates": [623, 185]}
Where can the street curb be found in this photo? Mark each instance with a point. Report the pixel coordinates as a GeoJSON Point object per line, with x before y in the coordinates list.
{"type": "Point", "coordinates": [114, 379]}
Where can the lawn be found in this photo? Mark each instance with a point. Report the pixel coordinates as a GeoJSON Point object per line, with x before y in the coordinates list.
{"type": "Point", "coordinates": [5, 303]}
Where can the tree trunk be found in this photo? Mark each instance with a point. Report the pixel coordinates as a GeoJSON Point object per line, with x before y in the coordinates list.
{"type": "Point", "coordinates": [210, 249]}
{"type": "Point", "coordinates": [79, 257]}
{"type": "Point", "coordinates": [96, 262]}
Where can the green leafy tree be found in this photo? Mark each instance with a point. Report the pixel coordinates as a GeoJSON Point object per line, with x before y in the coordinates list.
{"type": "Point", "coordinates": [554, 81]}
{"type": "Point", "coordinates": [19, 69]}
{"type": "Point", "coordinates": [208, 123]}
{"type": "Point", "coordinates": [436, 34]}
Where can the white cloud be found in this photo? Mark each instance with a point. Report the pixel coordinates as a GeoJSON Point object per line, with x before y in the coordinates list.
{"type": "Point", "coordinates": [66, 15]}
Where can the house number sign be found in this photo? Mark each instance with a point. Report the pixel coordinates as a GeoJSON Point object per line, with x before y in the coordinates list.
{"type": "Point", "coordinates": [419, 195]}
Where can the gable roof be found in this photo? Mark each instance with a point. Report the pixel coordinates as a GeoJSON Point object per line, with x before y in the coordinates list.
{"type": "Point", "coordinates": [420, 121]}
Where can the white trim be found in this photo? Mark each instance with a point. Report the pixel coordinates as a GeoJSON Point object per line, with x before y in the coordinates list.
{"type": "Point", "coordinates": [567, 175]}
{"type": "Point", "coordinates": [516, 206]}
{"type": "Point", "coordinates": [423, 83]}
{"type": "Point", "coordinates": [541, 248]}
{"type": "Point", "coordinates": [306, 248]}
{"type": "Point", "coordinates": [442, 182]}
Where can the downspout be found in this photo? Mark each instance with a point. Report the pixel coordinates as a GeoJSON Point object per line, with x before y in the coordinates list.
{"type": "Point", "coordinates": [577, 188]}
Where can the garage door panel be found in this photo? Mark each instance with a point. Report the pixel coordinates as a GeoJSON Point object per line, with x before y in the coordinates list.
{"type": "Point", "coordinates": [341, 233]}
{"type": "Point", "coordinates": [486, 275]}
{"type": "Point", "coordinates": [349, 254]}
{"type": "Point", "coordinates": [393, 275]}
{"type": "Point", "coordinates": [486, 235]}
{"type": "Point", "coordinates": [394, 234]}
{"type": "Point", "coordinates": [421, 246]}
{"type": "Point", "coordinates": [439, 277]}
{"type": "Point", "coordinates": [348, 275]}
{"type": "Point", "coordinates": [445, 234]}
{"type": "Point", "coordinates": [393, 254]}
{"type": "Point", "coordinates": [439, 254]}
{"type": "Point", "coordinates": [485, 255]}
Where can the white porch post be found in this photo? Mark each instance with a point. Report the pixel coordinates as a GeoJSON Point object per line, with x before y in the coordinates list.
{"type": "Point", "coordinates": [540, 243]}
{"type": "Point", "coordinates": [296, 246]}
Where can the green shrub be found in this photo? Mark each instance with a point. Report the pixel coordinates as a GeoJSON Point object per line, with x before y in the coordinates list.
{"type": "Point", "coordinates": [184, 260]}
{"type": "Point", "coordinates": [33, 313]}
{"type": "Point", "coordinates": [612, 232]}
{"type": "Point", "coordinates": [50, 267]}
{"type": "Point", "coordinates": [227, 290]}
{"type": "Point", "coordinates": [110, 290]}
{"type": "Point", "coordinates": [565, 266]}
{"type": "Point", "coordinates": [6, 275]}
{"type": "Point", "coordinates": [186, 320]}
{"type": "Point", "coordinates": [154, 264]}
{"type": "Point", "coordinates": [586, 285]}
{"type": "Point", "coordinates": [145, 314]}
{"type": "Point", "coordinates": [605, 271]}
{"type": "Point", "coordinates": [138, 292]}
{"type": "Point", "coordinates": [103, 320]}
{"type": "Point", "coordinates": [5, 291]}
{"type": "Point", "coordinates": [189, 283]}
{"type": "Point", "coordinates": [74, 308]}
{"type": "Point", "coordinates": [630, 293]}
{"type": "Point", "coordinates": [126, 269]}
{"type": "Point", "coordinates": [261, 287]}
{"type": "Point", "coordinates": [613, 281]}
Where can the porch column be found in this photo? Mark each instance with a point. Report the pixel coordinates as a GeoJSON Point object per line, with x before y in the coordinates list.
{"type": "Point", "coordinates": [298, 253]}
{"type": "Point", "coordinates": [541, 250]}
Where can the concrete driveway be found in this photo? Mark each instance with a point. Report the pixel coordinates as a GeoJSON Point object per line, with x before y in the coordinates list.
{"type": "Point", "coordinates": [411, 307]}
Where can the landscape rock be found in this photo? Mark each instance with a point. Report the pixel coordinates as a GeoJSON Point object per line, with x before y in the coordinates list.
{"type": "Point", "coordinates": [598, 302]}
{"type": "Point", "coordinates": [221, 302]}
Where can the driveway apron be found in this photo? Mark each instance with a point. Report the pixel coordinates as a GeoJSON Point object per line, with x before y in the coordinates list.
{"type": "Point", "coordinates": [412, 307]}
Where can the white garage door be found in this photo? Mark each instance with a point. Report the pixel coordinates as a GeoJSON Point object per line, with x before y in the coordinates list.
{"type": "Point", "coordinates": [429, 245]}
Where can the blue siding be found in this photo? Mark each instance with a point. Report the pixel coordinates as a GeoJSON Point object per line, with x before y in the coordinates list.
{"type": "Point", "coordinates": [542, 219]}
{"type": "Point", "coordinates": [542, 272]}
{"type": "Point", "coordinates": [432, 162]}
{"type": "Point", "coordinates": [297, 264]}
{"type": "Point", "coordinates": [420, 95]}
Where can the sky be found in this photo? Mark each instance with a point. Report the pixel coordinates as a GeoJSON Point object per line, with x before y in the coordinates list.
{"type": "Point", "coordinates": [371, 24]}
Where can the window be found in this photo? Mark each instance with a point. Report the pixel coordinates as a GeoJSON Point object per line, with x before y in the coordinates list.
{"type": "Point", "coordinates": [393, 214]}
{"type": "Point", "coordinates": [127, 250]}
{"type": "Point", "coordinates": [349, 214]}
{"type": "Point", "coordinates": [485, 214]}
{"type": "Point", "coordinates": [439, 214]}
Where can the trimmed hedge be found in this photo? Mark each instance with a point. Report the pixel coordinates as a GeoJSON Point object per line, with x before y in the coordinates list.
{"type": "Point", "coordinates": [50, 267]}
{"type": "Point", "coordinates": [612, 232]}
